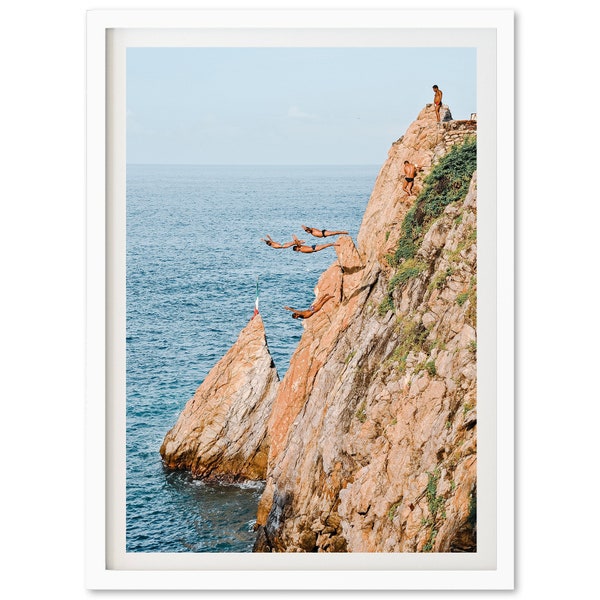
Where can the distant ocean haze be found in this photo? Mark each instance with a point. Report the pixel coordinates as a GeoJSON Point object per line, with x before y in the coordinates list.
{"type": "Point", "coordinates": [193, 257]}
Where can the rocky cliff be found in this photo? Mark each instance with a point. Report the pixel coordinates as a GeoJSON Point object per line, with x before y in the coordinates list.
{"type": "Point", "coordinates": [373, 429]}
{"type": "Point", "coordinates": [368, 444]}
{"type": "Point", "coordinates": [222, 432]}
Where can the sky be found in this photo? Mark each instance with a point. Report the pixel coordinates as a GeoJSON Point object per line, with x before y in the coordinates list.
{"type": "Point", "coordinates": [285, 105]}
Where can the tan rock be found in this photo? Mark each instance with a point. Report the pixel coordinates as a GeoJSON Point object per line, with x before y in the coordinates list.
{"type": "Point", "coordinates": [372, 450]}
{"type": "Point", "coordinates": [222, 431]}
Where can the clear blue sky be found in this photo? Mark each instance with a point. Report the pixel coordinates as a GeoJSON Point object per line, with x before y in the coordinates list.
{"type": "Point", "coordinates": [285, 105]}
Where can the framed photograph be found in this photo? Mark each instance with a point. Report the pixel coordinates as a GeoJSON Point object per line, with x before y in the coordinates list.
{"type": "Point", "coordinates": [300, 300]}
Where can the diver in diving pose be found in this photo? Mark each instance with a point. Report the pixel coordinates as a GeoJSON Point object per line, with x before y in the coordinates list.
{"type": "Point", "coordinates": [321, 233]}
{"type": "Point", "coordinates": [269, 241]}
{"type": "Point", "coordinates": [299, 246]}
{"type": "Point", "coordinates": [316, 307]}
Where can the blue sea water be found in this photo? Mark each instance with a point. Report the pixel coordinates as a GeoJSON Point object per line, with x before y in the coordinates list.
{"type": "Point", "coordinates": [193, 257]}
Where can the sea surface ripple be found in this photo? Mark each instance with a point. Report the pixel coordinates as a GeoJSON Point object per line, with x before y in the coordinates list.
{"type": "Point", "coordinates": [193, 257]}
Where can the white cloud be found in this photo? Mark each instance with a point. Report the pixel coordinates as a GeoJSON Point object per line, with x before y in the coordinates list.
{"type": "Point", "coordinates": [295, 113]}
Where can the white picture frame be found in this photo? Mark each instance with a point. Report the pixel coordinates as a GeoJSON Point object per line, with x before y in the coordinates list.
{"type": "Point", "coordinates": [108, 33]}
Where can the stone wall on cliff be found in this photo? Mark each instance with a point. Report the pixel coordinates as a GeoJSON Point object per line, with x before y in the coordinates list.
{"type": "Point", "coordinates": [373, 428]}
{"type": "Point", "coordinates": [222, 431]}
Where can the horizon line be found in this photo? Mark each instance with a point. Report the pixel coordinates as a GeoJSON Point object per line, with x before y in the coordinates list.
{"type": "Point", "coordinates": [137, 164]}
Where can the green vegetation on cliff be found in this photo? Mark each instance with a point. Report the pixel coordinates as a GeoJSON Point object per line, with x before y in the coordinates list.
{"type": "Point", "coordinates": [448, 182]}
{"type": "Point", "coordinates": [436, 509]}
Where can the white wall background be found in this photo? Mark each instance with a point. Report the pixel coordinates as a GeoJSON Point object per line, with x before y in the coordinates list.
{"type": "Point", "coordinates": [42, 243]}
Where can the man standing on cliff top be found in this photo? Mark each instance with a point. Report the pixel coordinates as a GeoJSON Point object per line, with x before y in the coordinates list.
{"type": "Point", "coordinates": [437, 101]}
{"type": "Point", "coordinates": [410, 172]}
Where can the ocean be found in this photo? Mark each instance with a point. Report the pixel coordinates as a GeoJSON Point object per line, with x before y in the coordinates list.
{"type": "Point", "coordinates": [194, 253]}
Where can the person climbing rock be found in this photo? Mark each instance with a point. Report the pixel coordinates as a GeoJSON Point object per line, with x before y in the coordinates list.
{"type": "Point", "coordinates": [273, 244]}
{"type": "Point", "coordinates": [321, 233]}
{"type": "Point", "coordinates": [410, 172]}
{"type": "Point", "coordinates": [437, 101]}
{"type": "Point", "coordinates": [316, 307]}
{"type": "Point", "coordinates": [300, 247]}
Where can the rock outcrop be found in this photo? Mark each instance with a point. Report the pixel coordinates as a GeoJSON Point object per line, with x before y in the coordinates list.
{"type": "Point", "coordinates": [369, 442]}
{"type": "Point", "coordinates": [373, 429]}
{"type": "Point", "coordinates": [222, 432]}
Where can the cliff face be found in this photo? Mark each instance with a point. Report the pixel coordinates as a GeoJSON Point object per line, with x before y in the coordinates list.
{"type": "Point", "coordinates": [373, 427]}
{"type": "Point", "coordinates": [222, 431]}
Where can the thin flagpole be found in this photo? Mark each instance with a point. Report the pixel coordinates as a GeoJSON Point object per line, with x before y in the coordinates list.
{"type": "Point", "coordinates": [256, 301]}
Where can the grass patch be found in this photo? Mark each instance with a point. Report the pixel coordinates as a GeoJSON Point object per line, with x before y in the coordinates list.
{"type": "Point", "coordinates": [407, 246]}
{"type": "Point", "coordinates": [413, 337]}
{"type": "Point", "coordinates": [361, 413]}
{"type": "Point", "coordinates": [454, 255]}
{"type": "Point", "coordinates": [393, 510]}
{"type": "Point", "coordinates": [386, 305]}
{"type": "Point", "coordinates": [470, 295]}
{"type": "Point", "coordinates": [435, 504]}
{"type": "Point", "coordinates": [439, 280]}
{"type": "Point", "coordinates": [440, 344]}
{"type": "Point", "coordinates": [448, 182]}
{"type": "Point", "coordinates": [426, 366]}
{"type": "Point", "coordinates": [408, 270]}
{"type": "Point", "coordinates": [462, 298]}
{"type": "Point", "coordinates": [430, 368]}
